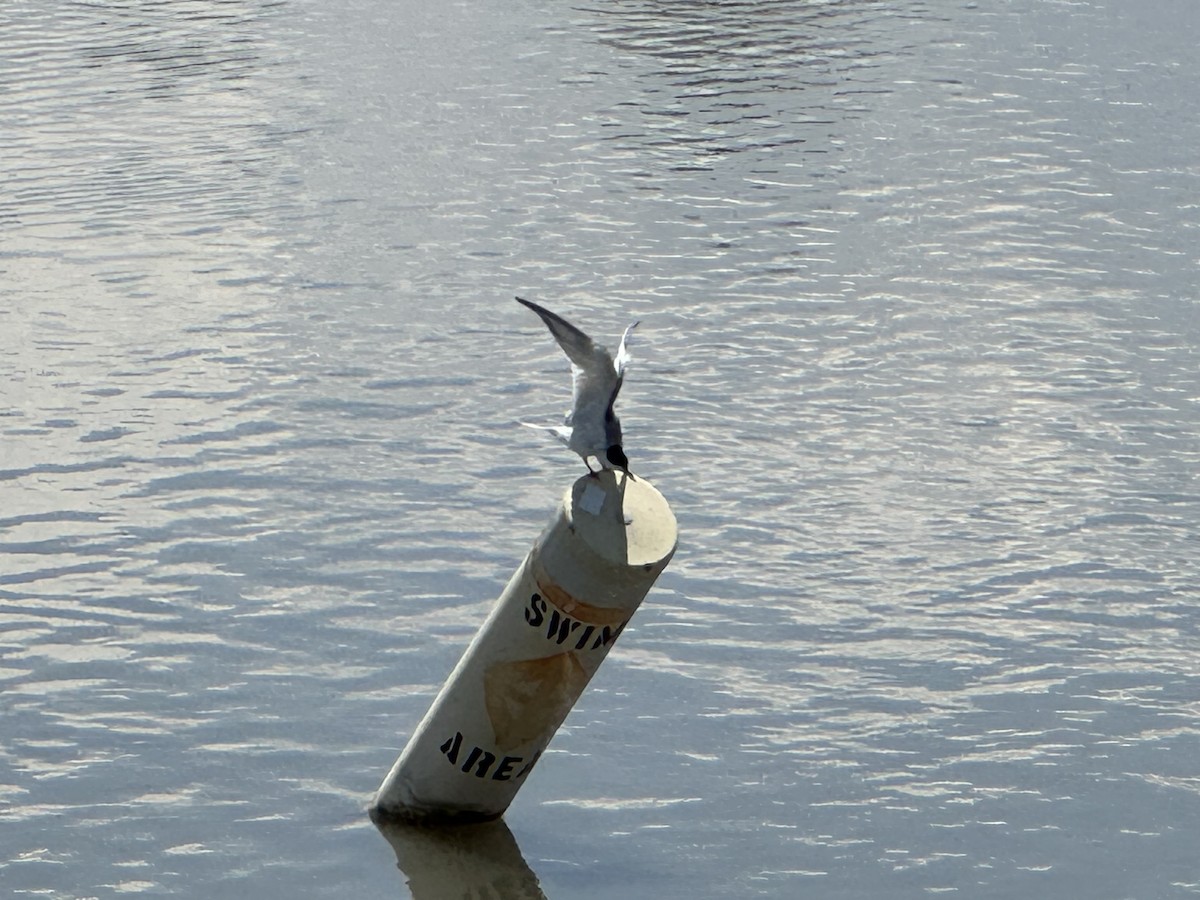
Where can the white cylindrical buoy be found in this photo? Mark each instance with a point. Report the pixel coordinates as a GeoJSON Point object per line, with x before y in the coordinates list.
{"type": "Point", "coordinates": [535, 653]}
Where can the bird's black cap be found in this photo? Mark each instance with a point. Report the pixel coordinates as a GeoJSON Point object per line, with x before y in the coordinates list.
{"type": "Point", "coordinates": [617, 457]}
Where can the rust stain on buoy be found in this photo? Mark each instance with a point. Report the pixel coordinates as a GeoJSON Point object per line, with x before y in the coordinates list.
{"type": "Point", "coordinates": [525, 700]}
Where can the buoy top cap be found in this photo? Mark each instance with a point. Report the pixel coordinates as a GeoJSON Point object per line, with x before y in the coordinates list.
{"type": "Point", "coordinates": [623, 519]}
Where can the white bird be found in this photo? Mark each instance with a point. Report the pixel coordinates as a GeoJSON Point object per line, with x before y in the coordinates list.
{"type": "Point", "coordinates": [591, 428]}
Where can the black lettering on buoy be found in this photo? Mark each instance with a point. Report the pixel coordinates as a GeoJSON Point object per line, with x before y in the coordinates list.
{"type": "Point", "coordinates": [479, 761]}
{"type": "Point", "coordinates": [529, 765]}
{"type": "Point", "coordinates": [483, 758]}
{"type": "Point", "coordinates": [504, 770]}
{"type": "Point", "coordinates": [560, 627]}
{"type": "Point", "coordinates": [583, 638]}
{"type": "Point", "coordinates": [535, 611]}
{"type": "Point", "coordinates": [608, 635]}
{"type": "Point", "coordinates": [451, 747]}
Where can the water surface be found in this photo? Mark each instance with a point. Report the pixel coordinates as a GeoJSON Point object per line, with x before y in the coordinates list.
{"type": "Point", "coordinates": [917, 371]}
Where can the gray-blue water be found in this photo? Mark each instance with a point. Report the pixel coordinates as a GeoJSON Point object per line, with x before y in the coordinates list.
{"type": "Point", "coordinates": [919, 371]}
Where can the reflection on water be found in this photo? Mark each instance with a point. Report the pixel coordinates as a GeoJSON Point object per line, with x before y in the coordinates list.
{"type": "Point", "coordinates": [480, 860]}
{"type": "Point", "coordinates": [916, 370]}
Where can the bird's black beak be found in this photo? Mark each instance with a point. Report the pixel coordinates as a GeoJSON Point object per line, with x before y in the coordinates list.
{"type": "Point", "coordinates": [617, 457]}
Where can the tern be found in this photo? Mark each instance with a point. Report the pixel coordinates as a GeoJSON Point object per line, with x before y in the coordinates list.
{"type": "Point", "coordinates": [591, 428]}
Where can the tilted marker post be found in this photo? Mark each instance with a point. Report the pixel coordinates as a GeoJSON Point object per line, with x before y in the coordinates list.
{"type": "Point", "coordinates": [535, 653]}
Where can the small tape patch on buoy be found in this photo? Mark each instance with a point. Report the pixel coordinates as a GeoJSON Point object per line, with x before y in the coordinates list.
{"type": "Point", "coordinates": [593, 499]}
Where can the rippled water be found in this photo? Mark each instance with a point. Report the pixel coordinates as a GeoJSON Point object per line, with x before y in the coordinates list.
{"type": "Point", "coordinates": [917, 370]}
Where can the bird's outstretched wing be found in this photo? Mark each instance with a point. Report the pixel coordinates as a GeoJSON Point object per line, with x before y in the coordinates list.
{"type": "Point", "coordinates": [562, 432]}
{"type": "Point", "coordinates": [595, 377]}
{"type": "Point", "coordinates": [623, 357]}
{"type": "Point", "coordinates": [621, 365]}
